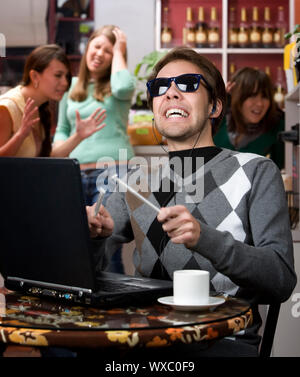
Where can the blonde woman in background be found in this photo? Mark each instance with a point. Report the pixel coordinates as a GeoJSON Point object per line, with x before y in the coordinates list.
{"type": "Point", "coordinates": [104, 81]}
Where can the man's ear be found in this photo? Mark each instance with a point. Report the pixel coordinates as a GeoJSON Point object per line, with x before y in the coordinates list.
{"type": "Point", "coordinates": [216, 109]}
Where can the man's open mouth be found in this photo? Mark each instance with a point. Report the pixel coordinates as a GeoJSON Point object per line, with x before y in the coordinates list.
{"type": "Point", "coordinates": [176, 113]}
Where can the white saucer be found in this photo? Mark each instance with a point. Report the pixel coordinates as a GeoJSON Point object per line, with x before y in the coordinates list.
{"type": "Point", "coordinates": [212, 302]}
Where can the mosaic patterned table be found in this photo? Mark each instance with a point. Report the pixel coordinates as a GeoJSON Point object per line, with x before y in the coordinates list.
{"type": "Point", "coordinates": [36, 322]}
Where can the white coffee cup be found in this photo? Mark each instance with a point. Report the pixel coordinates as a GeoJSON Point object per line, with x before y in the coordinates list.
{"type": "Point", "coordinates": [191, 287]}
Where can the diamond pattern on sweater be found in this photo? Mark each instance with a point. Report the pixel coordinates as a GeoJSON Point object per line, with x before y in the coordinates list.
{"type": "Point", "coordinates": [236, 187]}
{"type": "Point", "coordinates": [148, 259]}
{"type": "Point", "coordinates": [209, 183]}
{"type": "Point", "coordinates": [159, 272]}
{"type": "Point", "coordinates": [224, 199]}
{"type": "Point", "coordinates": [244, 158]}
{"type": "Point", "coordinates": [191, 264]}
{"type": "Point", "coordinates": [233, 224]}
{"type": "Point", "coordinates": [222, 283]}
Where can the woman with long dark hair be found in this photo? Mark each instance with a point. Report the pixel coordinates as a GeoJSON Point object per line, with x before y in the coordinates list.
{"type": "Point", "coordinates": [253, 120]}
{"type": "Point", "coordinates": [25, 118]}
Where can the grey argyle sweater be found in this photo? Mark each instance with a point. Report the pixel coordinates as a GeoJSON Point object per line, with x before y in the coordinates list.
{"type": "Point", "coordinates": [245, 240]}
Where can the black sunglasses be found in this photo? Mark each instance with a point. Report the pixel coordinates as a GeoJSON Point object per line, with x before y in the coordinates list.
{"type": "Point", "coordinates": [185, 83]}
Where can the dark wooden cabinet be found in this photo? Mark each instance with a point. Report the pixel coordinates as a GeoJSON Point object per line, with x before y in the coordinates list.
{"type": "Point", "coordinates": [69, 24]}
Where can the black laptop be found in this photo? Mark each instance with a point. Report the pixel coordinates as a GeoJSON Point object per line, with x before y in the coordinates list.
{"type": "Point", "coordinates": [45, 245]}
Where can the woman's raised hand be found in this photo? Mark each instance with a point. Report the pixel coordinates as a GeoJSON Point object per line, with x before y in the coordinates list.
{"type": "Point", "coordinates": [30, 117]}
{"type": "Point", "coordinates": [87, 127]}
{"type": "Point", "coordinates": [229, 85]}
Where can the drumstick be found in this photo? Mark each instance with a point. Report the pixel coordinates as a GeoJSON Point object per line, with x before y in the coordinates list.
{"type": "Point", "coordinates": [115, 177]}
{"type": "Point", "coordinates": [99, 200]}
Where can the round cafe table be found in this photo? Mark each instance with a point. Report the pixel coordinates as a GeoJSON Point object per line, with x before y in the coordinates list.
{"type": "Point", "coordinates": [37, 322]}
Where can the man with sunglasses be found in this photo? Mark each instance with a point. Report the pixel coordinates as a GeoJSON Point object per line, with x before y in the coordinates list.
{"type": "Point", "coordinates": [238, 230]}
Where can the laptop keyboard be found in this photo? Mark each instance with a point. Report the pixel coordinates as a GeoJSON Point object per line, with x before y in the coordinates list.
{"type": "Point", "coordinates": [116, 286]}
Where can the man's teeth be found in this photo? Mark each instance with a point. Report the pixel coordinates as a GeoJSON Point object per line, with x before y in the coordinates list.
{"type": "Point", "coordinates": [174, 113]}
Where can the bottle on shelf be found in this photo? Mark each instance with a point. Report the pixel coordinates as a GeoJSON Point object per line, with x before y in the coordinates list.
{"type": "Point", "coordinates": [189, 34]}
{"type": "Point", "coordinates": [281, 29]}
{"type": "Point", "coordinates": [82, 44]}
{"type": "Point", "coordinates": [232, 69]}
{"type": "Point", "coordinates": [267, 31]}
{"type": "Point", "coordinates": [201, 31]}
{"type": "Point", "coordinates": [255, 30]}
{"type": "Point", "coordinates": [213, 35]}
{"type": "Point", "coordinates": [280, 90]}
{"type": "Point", "coordinates": [232, 28]}
{"type": "Point", "coordinates": [267, 70]}
{"type": "Point", "coordinates": [243, 34]}
{"type": "Point", "coordinates": [166, 31]}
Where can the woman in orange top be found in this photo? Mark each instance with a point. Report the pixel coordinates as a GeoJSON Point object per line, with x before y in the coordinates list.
{"type": "Point", "coordinates": [25, 118]}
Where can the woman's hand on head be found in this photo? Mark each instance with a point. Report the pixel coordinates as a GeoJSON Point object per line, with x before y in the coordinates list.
{"type": "Point", "coordinates": [121, 41]}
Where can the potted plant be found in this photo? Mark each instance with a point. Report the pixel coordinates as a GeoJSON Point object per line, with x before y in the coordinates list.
{"type": "Point", "coordinates": [142, 71]}
{"type": "Point", "coordinates": [140, 129]}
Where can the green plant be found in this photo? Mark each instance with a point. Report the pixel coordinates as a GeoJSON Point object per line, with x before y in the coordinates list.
{"type": "Point", "coordinates": [142, 71]}
{"type": "Point", "coordinates": [296, 33]}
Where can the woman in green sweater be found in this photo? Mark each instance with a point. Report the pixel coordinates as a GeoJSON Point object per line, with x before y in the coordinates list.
{"type": "Point", "coordinates": [253, 120]}
{"type": "Point", "coordinates": [104, 82]}
{"type": "Point", "coordinates": [104, 87]}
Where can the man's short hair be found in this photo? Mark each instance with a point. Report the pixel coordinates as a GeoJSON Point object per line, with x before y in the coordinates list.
{"type": "Point", "coordinates": [210, 72]}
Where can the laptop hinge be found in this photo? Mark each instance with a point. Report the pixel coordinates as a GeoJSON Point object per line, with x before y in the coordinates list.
{"type": "Point", "coordinates": [42, 288]}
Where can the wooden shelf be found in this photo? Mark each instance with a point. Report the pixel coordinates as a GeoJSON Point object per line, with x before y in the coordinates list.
{"type": "Point", "coordinates": [74, 19]}
{"type": "Point", "coordinates": [223, 56]}
{"type": "Point", "coordinates": [264, 51]}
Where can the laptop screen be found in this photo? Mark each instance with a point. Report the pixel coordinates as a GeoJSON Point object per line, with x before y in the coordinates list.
{"type": "Point", "coordinates": [43, 224]}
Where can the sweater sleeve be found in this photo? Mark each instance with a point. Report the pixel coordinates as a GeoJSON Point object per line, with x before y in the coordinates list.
{"type": "Point", "coordinates": [266, 266]}
{"type": "Point", "coordinates": [122, 233]}
{"type": "Point", "coordinates": [63, 128]}
{"type": "Point", "coordinates": [122, 84]}
{"type": "Point", "coordinates": [277, 149]}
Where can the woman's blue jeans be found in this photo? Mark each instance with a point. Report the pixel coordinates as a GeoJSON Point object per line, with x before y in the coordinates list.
{"type": "Point", "coordinates": [90, 179]}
